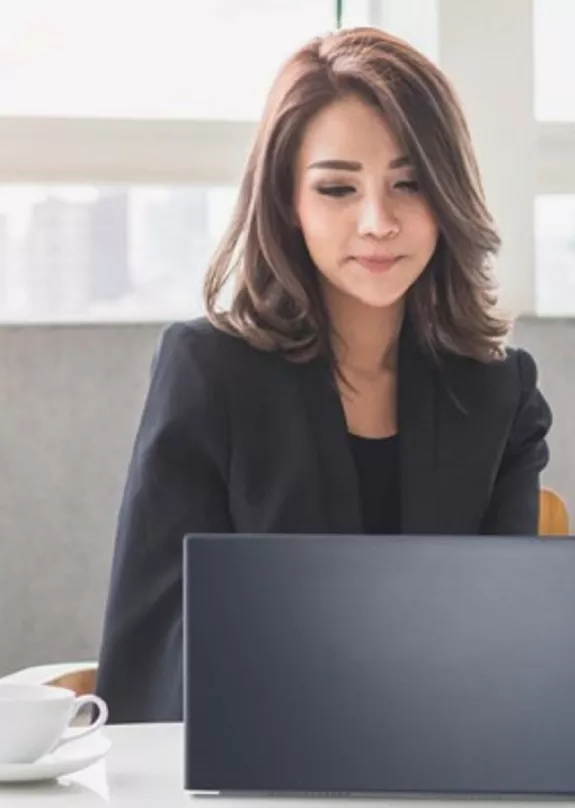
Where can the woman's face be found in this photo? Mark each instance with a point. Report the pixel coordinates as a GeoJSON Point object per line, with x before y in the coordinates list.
{"type": "Point", "coordinates": [367, 227]}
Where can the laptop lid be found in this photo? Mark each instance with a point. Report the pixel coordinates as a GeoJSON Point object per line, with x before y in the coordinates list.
{"type": "Point", "coordinates": [362, 664]}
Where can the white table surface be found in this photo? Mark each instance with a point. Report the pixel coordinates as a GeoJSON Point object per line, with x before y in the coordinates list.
{"type": "Point", "coordinates": [144, 769]}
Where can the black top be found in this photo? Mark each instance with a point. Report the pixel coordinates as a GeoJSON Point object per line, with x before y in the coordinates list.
{"type": "Point", "coordinates": [377, 464]}
{"type": "Point", "coordinates": [236, 440]}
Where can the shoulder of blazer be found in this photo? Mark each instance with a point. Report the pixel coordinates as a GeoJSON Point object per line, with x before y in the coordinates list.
{"type": "Point", "coordinates": [221, 356]}
{"type": "Point", "coordinates": [502, 383]}
{"type": "Point", "coordinates": [516, 368]}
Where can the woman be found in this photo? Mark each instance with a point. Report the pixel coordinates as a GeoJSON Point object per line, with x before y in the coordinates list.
{"type": "Point", "coordinates": [357, 382]}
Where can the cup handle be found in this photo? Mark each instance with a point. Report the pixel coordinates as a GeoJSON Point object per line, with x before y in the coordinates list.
{"type": "Point", "coordinates": [75, 734]}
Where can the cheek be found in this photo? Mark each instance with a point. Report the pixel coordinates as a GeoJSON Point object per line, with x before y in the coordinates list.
{"type": "Point", "coordinates": [424, 229]}
{"type": "Point", "coordinates": [314, 216]}
{"type": "Point", "coordinates": [320, 225]}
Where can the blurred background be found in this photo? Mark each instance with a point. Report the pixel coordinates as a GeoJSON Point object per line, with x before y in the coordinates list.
{"type": "Point", "coordinates": [124, 127]}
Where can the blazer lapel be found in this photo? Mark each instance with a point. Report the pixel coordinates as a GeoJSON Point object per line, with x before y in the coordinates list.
{"type": "Point", "coordinates": [418, 437]}
{"type": "Point", "coordinates": [337, 477]}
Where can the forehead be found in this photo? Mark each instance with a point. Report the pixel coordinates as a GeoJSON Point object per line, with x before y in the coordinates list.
{"type": "Point", "coordinates": [348, 129]}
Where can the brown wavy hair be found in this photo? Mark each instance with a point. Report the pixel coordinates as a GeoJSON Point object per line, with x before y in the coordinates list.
{"type": "Point", "coordinates": [276, 303]}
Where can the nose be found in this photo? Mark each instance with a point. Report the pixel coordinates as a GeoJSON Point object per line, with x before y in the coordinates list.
{"type": "Point", "coordinates": [377, 219]}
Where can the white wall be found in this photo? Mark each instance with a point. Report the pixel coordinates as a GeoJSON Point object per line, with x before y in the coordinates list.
{"type": "Point", "coordinates": [486, 48]}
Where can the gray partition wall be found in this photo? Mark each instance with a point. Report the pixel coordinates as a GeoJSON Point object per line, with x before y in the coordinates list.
{"type": "Point", "coordinates": [70, 399]}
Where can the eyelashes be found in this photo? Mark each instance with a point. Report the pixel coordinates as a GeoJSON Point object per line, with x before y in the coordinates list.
{"type": "Point", "coordinates": [335, 190]}
{"type": "Point", "coordinates": [340, 191]}
{"type": "Point", "coordinates": [408, 185]}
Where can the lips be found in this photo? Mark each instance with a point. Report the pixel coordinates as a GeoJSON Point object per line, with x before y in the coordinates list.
{"type": "Point", "coordinates": [377, 264]}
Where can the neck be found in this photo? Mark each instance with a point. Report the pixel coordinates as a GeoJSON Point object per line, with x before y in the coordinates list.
{"type": "Point", "coordinates": [366, 339]}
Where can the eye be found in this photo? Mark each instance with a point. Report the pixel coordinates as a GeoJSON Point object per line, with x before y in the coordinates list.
{"type": "Point", "coordinates": [411, 186]}
{"type": "Point", "coordinates": [335, 190]}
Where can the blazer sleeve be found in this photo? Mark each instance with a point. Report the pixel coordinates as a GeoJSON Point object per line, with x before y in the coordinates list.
{"type": "Point", "coordinates": [514, 504]}
{"type": "Point", "coordinates": [176, 484]}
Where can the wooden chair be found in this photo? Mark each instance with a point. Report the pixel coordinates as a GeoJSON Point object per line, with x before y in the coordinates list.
{"type": "Point", "coordinates": [553, 514]}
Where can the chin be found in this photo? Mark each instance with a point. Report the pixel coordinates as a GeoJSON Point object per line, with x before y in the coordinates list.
{"type": "Point", "coordinates": [372, 296]}
{"type": "Point", "coordinates": [380, 305]}
{"type": "Point", "coordinates": [382, 301]}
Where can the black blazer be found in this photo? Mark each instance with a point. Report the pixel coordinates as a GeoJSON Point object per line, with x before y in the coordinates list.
{"type": "Point", "coordinates": [236, 440]}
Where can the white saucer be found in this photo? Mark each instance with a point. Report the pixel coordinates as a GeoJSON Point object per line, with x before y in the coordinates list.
{"type": "Point", "coordinates": [72, 757]}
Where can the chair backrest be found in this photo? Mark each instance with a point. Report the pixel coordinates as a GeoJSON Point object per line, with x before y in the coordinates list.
{"type": "Point", "coordinates": [553, 514]}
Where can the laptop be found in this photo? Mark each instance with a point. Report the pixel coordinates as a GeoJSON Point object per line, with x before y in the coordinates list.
{"type": "Point", "coordinates": [364, 665]}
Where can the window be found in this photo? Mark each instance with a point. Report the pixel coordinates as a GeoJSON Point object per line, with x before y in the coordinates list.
{"type": "Point", "coordinates": [123, 132]}
{"type": "Point", "coordinates": [153, 59]}
{"type": "Point", "coordinates": [554, 68]}
{"type": "Point", "coordinates": [113, 110]}
{"type": "Point", "coordinates": [555, 254]}
{"type": "Point", "coordinates": [81, 253]}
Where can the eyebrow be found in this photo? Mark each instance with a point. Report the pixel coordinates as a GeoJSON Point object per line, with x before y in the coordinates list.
{"type": "Point", "coordinates": [352, 165]}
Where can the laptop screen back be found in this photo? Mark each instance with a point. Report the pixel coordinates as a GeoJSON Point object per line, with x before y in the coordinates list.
{"type": "Point", "coordinates": [361, 664]}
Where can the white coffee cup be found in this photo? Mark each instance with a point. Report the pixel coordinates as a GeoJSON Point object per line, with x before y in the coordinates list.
{"type": "Point", "coordinates": [34, 720]}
